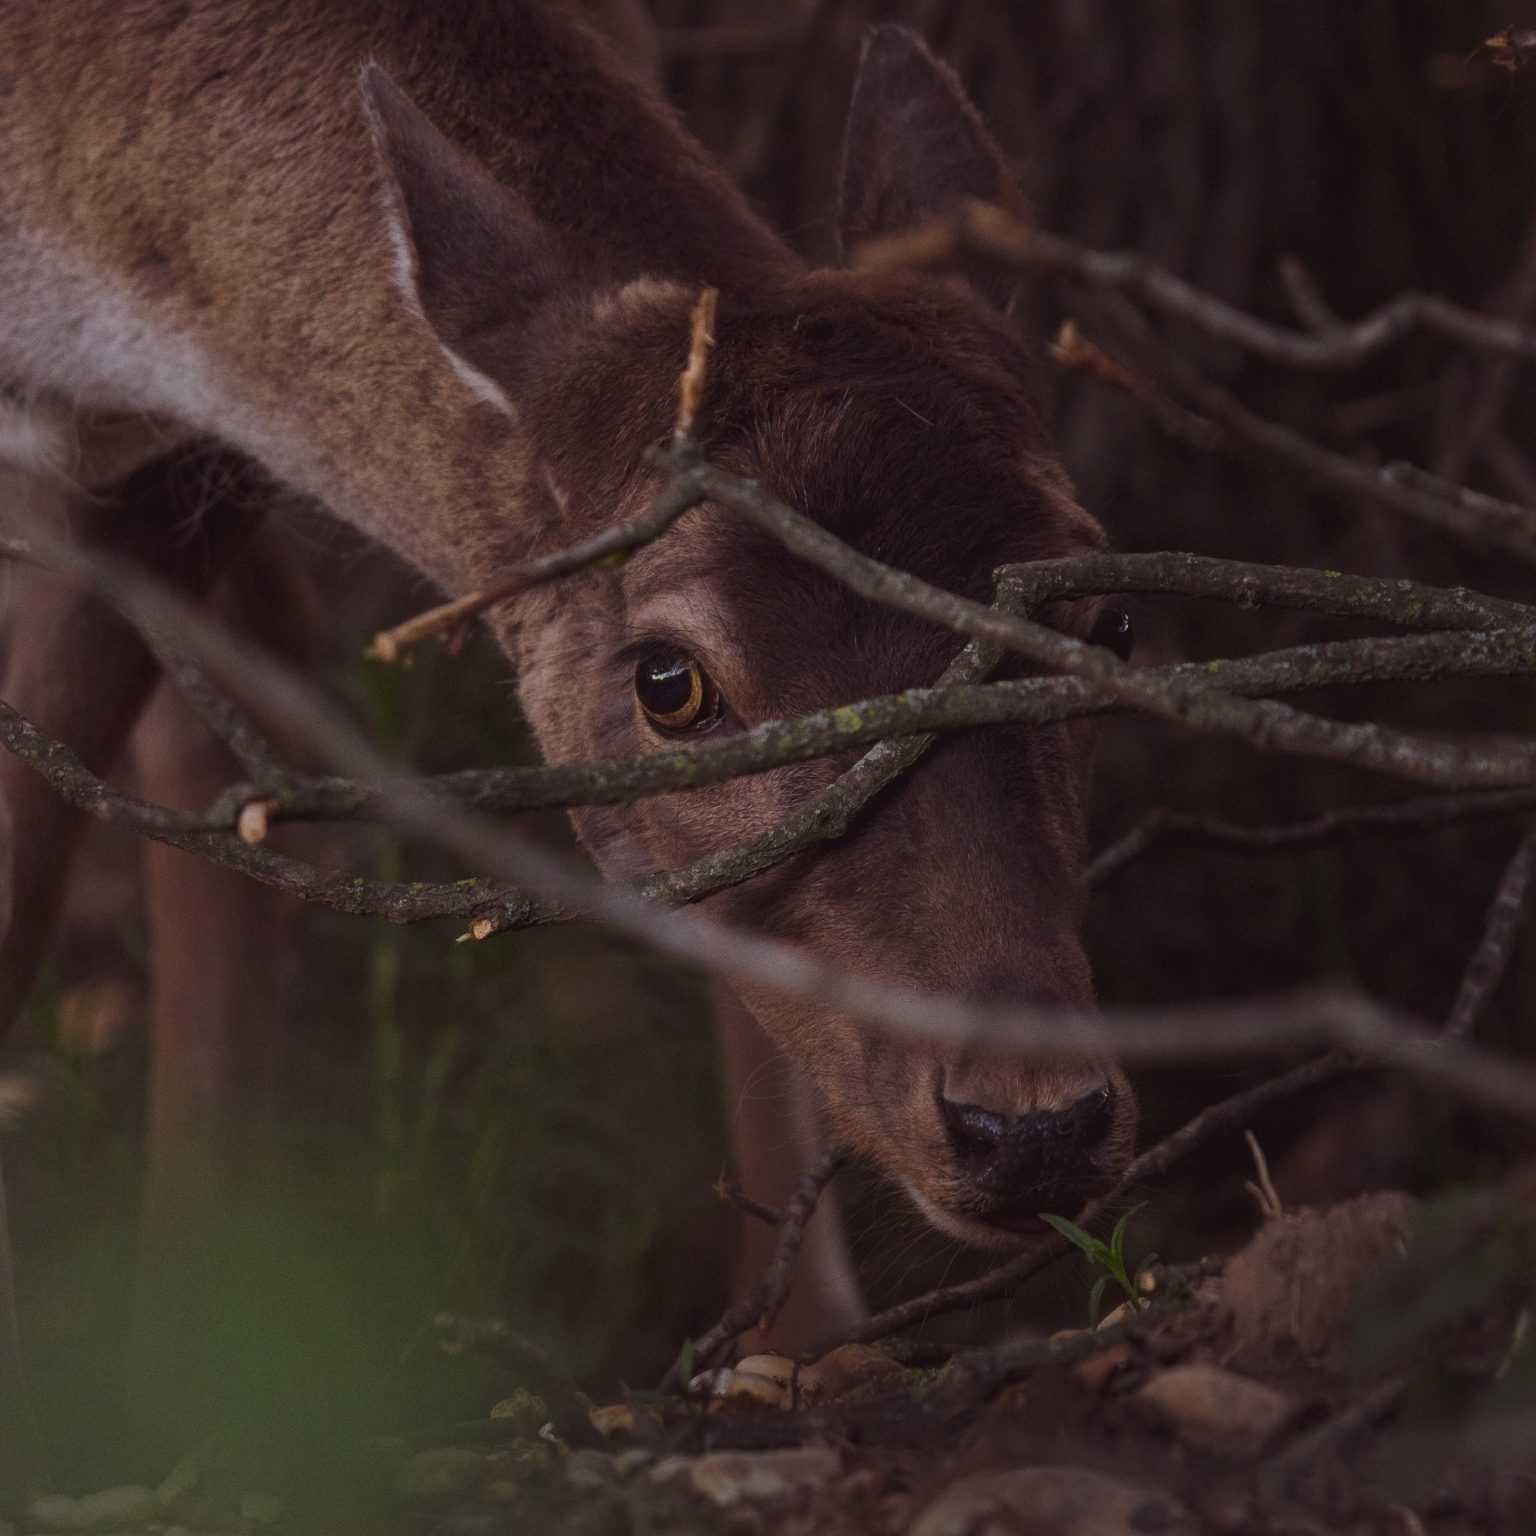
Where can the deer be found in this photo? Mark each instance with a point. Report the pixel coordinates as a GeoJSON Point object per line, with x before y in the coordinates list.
{"type": "Point", "coordinates": [432, 268]}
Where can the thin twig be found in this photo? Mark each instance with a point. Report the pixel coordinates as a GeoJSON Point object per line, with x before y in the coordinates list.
{"type": "Point", "coordinates": [761, 1308]}
{"type": "Point", "coordinates": [993, 232]}
{"type": "Point", "coordinates": [1482, 521]}
{"type": "Point", "coordinates": [613, 546]}
{"type": "Point", "coordinates": [1506, 916]}
{"type": "Point", "coordinates": [1423, 813]}
{"type": "Point", "coordinates": [690, 385]}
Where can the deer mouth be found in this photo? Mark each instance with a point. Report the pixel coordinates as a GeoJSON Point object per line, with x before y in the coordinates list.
{"type": "Point", "coordinates": [1024, 1223]}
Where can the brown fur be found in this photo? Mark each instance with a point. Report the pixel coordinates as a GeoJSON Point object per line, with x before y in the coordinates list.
{"type": "Point", "coordinates": [202, 199]}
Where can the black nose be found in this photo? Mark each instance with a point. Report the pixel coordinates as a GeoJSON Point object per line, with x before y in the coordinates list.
{"type": "Point", "coordinates": [1021, 1165]}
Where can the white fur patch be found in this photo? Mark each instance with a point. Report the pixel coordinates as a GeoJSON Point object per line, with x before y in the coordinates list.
{"type": "Point", "coordinates": [68, 333]}
{"type": "Point", "coordinates": [481, 385]}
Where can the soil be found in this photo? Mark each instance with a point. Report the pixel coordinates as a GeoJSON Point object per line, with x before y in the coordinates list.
{"type": "Point", "coordinates": [1284, 1394]}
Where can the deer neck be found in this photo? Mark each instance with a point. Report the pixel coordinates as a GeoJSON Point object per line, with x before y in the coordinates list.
{"type": "Point", "coordinates": [212, 207]}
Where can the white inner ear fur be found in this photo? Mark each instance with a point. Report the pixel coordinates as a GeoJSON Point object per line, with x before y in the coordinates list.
{"type": "Point", "coordinates": [481, 385]}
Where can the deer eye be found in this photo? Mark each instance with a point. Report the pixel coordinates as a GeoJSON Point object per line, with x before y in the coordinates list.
{"type": "Point", "coordinates": [677, 695]}
{"type": "Point", "coordinates": [1113, 630]}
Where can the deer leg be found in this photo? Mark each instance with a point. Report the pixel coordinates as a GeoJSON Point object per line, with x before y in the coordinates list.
{"type": "Point", "coordinates": [82, 675]}
{"type": "Point", "coordinates": [222, 955]}
{"type": "Point", "coordinates": [775, 1138]}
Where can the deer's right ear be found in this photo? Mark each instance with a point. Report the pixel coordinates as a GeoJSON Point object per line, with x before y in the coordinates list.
{"type": "Point", "coordinates": [470, 257]}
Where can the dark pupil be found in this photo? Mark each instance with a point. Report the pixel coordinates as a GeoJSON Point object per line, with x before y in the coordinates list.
{"type": "Point", "coordinates": [1114, 630]}
{"type": "Point", "coordinates": [666, 686]}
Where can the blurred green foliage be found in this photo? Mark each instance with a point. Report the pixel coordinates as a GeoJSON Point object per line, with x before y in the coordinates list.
{"type": "Point", "coordinates": [511, 1129]}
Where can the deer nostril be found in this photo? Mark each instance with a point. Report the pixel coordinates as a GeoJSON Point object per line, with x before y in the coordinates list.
{"type": "Point", "coordinates": [1021, 1165]}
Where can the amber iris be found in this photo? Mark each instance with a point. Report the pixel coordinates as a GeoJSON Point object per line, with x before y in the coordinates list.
{"type": "Point", "coordinates": [676, 694]}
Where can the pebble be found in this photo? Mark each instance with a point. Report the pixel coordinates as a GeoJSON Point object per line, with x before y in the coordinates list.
{"type": "Point", "coordinates": [1049, 1501]}
{"type": "Point", "coordinates": [730, 1477]}
{"type": "Point", "coordinates": [1216, 1409]}
{"type": "Point", "coordinates": [524, 1406]}
{"type": "Point", "coordinates": [441, 1476]}
{"type": "Point", "coordinates": [624, 1419]}
{"type": "Point", "coordinates": [767, 1379]}
{"type": "Point", "coordinates": [128, 1506]}
{"type": "Point", "coordinates": [844, 1369]}
{"type": "Point", "coordinates": [54, 1512]}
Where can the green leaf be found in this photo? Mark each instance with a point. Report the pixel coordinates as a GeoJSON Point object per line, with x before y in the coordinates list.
{"type": "Point", "coordinates": [1096, 1299]}
{"type": "Point", "coordinates": [1074, 1234]}
{"type": "Point", "coordinates": [685, 1362]}
{"type": "Point", "coordinates": [1117, 1237]}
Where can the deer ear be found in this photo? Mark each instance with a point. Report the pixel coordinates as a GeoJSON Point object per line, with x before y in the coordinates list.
{"type": "Point", "coordinates": [915, 149]}
{"type": "Point", "coordinates": [470, 257]}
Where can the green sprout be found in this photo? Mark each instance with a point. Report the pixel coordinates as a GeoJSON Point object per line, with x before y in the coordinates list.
{"type": "Point", "coordinates": [1111, 1255]}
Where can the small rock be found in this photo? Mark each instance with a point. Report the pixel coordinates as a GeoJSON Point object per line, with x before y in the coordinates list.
{"type": "Point", "coordinates": [729, 1477]}
{"type": "Point", "coordinates": [711, 1383]}
{"type": "Point", "coordinates": [1097, 1371]}
{"type": "Point", "coordinates": [844, 1369]}
{"type": "Point", "coordinates": [1215, 1409]}
{"type": "Point", "coordinates": [441, 1476]}
{"type": "Point", "coordinates": [615, 1419]}
{"type": "Point", "coordinates": [129, 1505]}
{"type": "Point", "coordinates": [1049, 1501]}
{"type": "Point", "coordinates": [262, 1509]}
{"type": "Point", "coordinates": [768, 1379]}
{"type": "Point", "coordinates": [529, 1410]}
{"type": "Point", "coordinates": [624, 1419]}
{"type": "Point", "coordinates": [54, 1512]}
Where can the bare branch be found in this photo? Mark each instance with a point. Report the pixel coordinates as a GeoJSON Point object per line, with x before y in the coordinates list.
{"type": "Point", "coordinates": [989, 231]}
{"type": "Point", "coordinates": [1392, 600]}
{"type": "Point", "coordinates": [1505, 917]}
{"type": "Point", "coordinates": [1324, 831]}
{"type": "Point", "coordinates": [1482, 521]}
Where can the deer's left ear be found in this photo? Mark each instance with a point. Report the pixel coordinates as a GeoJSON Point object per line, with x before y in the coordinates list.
{"type": "Point", "coordinates": [470, 256]}
{"type": "Point", "coordinates": [915, 149]}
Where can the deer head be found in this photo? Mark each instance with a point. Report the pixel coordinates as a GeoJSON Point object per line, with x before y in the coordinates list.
{"type": "Point", "coordinates": [903, 413]}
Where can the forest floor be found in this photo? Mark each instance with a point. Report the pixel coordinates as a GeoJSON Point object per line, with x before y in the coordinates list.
{"type": "Point", "coordinates": [1315, 1382]}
